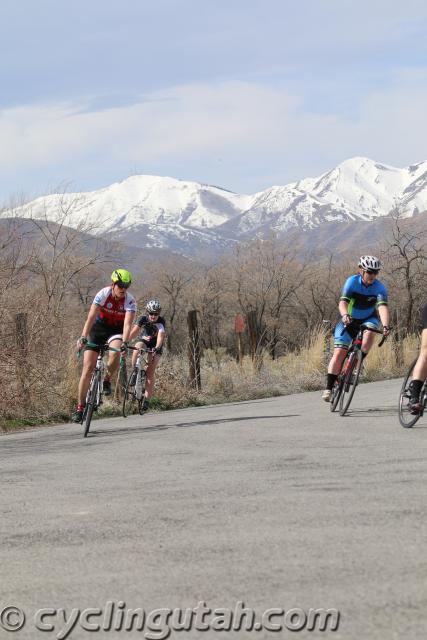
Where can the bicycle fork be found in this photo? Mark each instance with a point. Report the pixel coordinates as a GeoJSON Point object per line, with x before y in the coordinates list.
{"type": "Point", "coordinates": [100, 371]}
{"type": "Point", "coordinates": [349, 368]}
{"type": "Point", "coordinates": [138, 383]}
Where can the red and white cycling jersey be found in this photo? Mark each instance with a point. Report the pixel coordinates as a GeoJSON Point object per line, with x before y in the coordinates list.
{"type": "Point", "coordinates": [112, 311]}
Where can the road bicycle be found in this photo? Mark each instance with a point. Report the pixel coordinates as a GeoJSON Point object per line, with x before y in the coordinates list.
{"type": "Point", "coordinates": [406, 418]}
{"type": "Point", "coordinates": [348, 378]}
{"type": "Point", "coordinates": [94, 396]}
{"type": "Point", "coordinates": [134, 393]}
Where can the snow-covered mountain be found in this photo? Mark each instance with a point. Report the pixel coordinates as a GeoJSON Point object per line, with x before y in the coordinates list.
{"type": "Point", "coordinates": [190, 217]}
{"type": "Point", "coordinates": [357, 189]}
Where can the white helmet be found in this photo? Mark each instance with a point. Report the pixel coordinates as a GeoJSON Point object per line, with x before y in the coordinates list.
{"type": "Point", "coordinates": [153, 306]}
{"type": "Point", "coordinates": [369, 262]}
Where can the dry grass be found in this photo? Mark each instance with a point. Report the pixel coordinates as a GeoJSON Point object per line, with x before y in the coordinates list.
{"type": "Point", "coordinates": [223, 379]}
{"type": "Point", "coordinates": [391, 360]}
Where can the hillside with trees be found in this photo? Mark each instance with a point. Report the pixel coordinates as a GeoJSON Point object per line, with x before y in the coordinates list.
{"type": "Point", "coordinates": [286, 291]}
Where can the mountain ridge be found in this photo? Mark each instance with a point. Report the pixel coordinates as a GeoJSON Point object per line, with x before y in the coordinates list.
{"type": "Point", "coordinates": [192, 218]}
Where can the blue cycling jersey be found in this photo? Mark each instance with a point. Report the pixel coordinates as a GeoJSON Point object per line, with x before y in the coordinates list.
{"type": "Point", "coordinates": [363, 300]}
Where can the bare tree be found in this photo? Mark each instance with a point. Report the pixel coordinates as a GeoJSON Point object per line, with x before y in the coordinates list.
{"type": "Point", "coordinates": [288, 275]}
{"type": "Point", "coordinates": [405, 251]}
{"type": "Point", "coordinates": [318, 296]}
{"type": "Point", "coordinates": [44, 262]}
{"type": "Point", "coordinates": [64, 252]}
{"type": "Point", "coordinates": [267, 276]}
{"type": "Point", "coordinates": [210, 294]}
{"type": "Point", "coordinates": [172, 280]}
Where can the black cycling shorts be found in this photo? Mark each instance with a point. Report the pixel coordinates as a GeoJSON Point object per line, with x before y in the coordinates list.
{"type": "Point", "coordinates": [424, 317]}
{"type": "Point", "coordinates": [101, 333]}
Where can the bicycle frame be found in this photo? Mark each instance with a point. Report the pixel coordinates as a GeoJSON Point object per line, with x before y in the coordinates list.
{"type": "Point", "coordinates": [99, 368]}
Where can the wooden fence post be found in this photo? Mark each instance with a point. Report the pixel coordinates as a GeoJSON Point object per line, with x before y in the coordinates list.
{"type": "Point", "coordinates": [397, 339]}
{"type": "Point", "coordinates": [21, 332]}
{"type": "Point", "coordinates": [253, 333]}
{"type": "Point", "coordinates": [21, 339]}
{"type": "Point", "coordinates": [326, 330]}
{"type": "Point", "coordinates": [194, 351]}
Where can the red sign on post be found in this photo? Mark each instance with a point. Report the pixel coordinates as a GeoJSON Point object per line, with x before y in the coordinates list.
{"type": "Point", "coordinates": [239, 323]}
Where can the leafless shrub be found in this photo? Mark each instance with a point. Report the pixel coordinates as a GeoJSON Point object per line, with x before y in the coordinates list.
{"type": "Point", "coordinates": [50, 272]}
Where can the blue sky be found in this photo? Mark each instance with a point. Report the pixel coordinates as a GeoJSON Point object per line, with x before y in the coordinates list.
{"type": "Point", "coordinates": [239, 93]}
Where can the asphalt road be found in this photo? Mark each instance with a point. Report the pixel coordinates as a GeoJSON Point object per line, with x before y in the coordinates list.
{"type": "Point", "coordinates": [276, 503]}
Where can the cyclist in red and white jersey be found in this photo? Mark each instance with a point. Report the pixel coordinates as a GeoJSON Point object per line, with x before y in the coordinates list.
{"type": "Point", "coordinates": [109, 320]}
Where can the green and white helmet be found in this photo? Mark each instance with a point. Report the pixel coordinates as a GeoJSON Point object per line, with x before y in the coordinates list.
{"type": "Point", "coordinates": [121, 276]}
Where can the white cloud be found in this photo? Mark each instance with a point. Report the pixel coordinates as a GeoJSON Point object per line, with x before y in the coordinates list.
{"type": "Point", "coordinates": [180, 121]}
{"type": "Point", "coordinates": [258, 130]}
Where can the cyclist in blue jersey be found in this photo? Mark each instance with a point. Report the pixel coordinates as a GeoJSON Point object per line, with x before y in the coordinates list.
{"type": "Point", "coordinates": [363, 300]}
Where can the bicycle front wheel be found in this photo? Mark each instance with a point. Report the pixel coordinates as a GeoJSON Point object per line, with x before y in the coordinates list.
{"type": "Point", "coordinates": [91, 399]}
{"type": "Point", "coordinates": [406, 418]}
{"type": "Point", "coordinates": [350, 381]}
{"type": "Point", "coordinates": [140, 391]}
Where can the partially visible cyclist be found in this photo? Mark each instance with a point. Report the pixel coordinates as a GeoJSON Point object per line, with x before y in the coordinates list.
{"type": "Point", "coordinates": [109, 320]}
{"type": "Point", "coordinates": [151, 332]}
{"type": "Point", "coordinates": [362, 300]}
{"type": "Point", "coordinates": [419, 373]}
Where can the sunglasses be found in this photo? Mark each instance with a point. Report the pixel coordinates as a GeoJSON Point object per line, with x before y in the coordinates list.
{"type": "Point", "coordinates": [122, 285]}
{"type": "Point", "coordinates": [153, 314]}
{"type": "Point", "coordinates": [372, 271]}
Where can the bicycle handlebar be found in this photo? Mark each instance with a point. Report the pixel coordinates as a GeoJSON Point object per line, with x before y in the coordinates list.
{"type": "Point", "coordinates": [365, 327]}
{"type": "Point", "coordinates": [142, 349]}
{"type": "Point", "coordinates": [93, 344]}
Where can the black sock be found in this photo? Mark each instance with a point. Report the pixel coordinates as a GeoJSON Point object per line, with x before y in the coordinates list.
{"type": "Point", "coordinates": [416, 386]}
{"type": "Point", "coordinates": [364, 355]}
{"type": "Point", "coordinates": [330, 380]}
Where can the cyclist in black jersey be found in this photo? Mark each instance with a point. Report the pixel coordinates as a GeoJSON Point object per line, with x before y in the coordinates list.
{"type": "Point", "coordinates": [420, 370]}
{"type": "Point", "coordinates": [151, 332]}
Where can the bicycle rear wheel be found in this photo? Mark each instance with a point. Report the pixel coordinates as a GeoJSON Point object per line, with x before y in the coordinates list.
{"type": "Point", "coordinates": [91, 398]}
{"type": "Point", "coordinates": [134, 393]}
{"type": "Point", "coordinates": [350, 381]}
{"type": "Point", "coordinates": [406, 418]}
